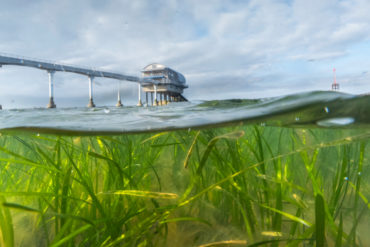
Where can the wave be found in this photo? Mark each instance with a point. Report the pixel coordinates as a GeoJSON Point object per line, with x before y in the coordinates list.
{"type": "Point", "coordinates": [321, 109]}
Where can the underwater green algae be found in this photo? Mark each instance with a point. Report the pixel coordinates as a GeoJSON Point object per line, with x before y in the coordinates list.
{"type": "Point", "coordinates": [236, 186]}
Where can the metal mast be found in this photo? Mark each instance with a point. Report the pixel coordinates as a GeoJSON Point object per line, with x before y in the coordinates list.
{"type": "Point", "coordinates": [335, 85]}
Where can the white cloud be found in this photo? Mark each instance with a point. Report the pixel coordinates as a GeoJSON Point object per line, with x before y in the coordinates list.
{"type": "Point", "coordinates": [240, 46]}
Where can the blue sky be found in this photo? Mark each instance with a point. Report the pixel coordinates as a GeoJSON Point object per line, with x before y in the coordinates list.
{"type": "Point", "coordinates": [225, 48]}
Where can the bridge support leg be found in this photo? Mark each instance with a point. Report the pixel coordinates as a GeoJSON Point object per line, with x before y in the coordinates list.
{"type": "Point", "coordinates": [51, 90]}
{"type": "Point", "coordinates": [119, 104]}
{"type": "Point", "coordinates": [91, 102]}
{"type": "Point", "coordinates": [155, 96]}
{"type": "Point", "coordinates": [139, 91]}
{"type": "Point", "coordinates": [165, 98]}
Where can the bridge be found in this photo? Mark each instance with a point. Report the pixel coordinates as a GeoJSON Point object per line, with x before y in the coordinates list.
{"type": "Point", "coordinates": [52, 67]}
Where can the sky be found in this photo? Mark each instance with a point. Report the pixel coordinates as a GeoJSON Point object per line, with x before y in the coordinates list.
{"type": "Point", "coordinates": [226, 49]}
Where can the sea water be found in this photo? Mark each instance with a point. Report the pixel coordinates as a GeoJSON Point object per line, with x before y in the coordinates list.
{"type": "Point", "coordinates": [314, 109]}
{"type": "Point", "coordinates": [290, 170]}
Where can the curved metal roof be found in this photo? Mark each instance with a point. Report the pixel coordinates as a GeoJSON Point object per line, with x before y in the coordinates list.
{"type": "Point", "coordinates": [154, 66]}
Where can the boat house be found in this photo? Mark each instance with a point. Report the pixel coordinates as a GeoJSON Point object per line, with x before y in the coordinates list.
{"type": "Point", "coordinates": [170, 87]}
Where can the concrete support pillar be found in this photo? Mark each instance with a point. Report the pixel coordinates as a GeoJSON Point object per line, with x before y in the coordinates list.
{"type": "Point", "coordinates": [146, 98]}
{"type": "Point", "coordinates": [139, 103]}
{"type": "Point", "coordinates": [161, 98]}
{"type": "Point", "coordinates": [51, 90]}
{"type": "Point", "coordinates": [169, 97]}
{"type": "Point", "coordinates": [155, 95]}
{"type": "Point", "coordinates": [151, 97]}
{"type": "Point", "coordinates": [91, 102]}
{"type": "Point", "coordinates": [165, 98]}
{"type": "Point", "coordinates": [119, 103]}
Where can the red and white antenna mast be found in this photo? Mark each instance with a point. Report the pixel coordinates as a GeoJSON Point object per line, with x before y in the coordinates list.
{"type": "Point", "coordinates": [335, 85]}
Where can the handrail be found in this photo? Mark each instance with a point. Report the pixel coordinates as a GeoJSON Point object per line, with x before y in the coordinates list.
{"type": "Point", "coordinates": [46, 61]}
{"type": "Point", "coordinates": [9, 59]}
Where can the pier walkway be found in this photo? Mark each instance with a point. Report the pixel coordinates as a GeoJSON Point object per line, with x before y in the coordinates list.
{"type": "Point", "coordinates": [91, 73]}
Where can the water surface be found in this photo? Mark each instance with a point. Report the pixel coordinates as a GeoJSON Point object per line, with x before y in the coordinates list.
{"type": "Point", "coordinates": [313, 109]}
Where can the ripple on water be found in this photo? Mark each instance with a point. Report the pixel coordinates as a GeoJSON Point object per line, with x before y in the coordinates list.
{"type": "Point", "coordinates": [331, 122]}
{"type": "Point", "coordinates": [327, 109]}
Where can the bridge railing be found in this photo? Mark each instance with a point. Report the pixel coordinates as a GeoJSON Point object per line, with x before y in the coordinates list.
{"type": "Point", "coordinates": [54, 62]}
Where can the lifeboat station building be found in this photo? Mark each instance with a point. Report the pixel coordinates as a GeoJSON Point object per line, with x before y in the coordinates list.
{"type": "Point", "coordinates": [169, 88]}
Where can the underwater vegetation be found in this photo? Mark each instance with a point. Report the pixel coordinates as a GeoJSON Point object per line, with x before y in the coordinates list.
{"type": "Point", "coordinates": [244, 185]}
